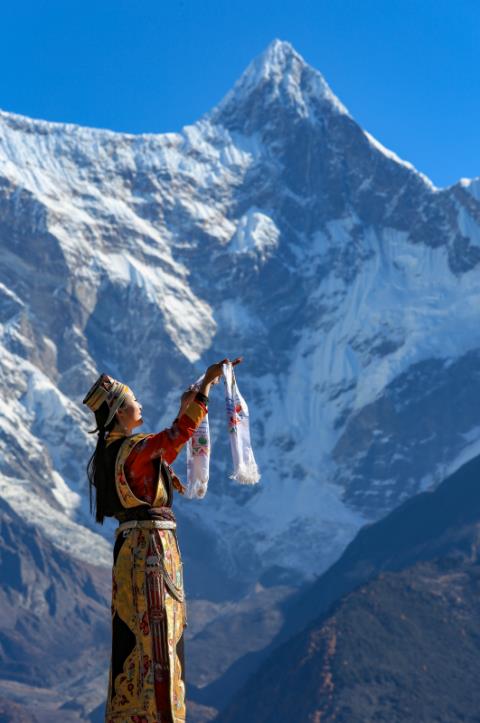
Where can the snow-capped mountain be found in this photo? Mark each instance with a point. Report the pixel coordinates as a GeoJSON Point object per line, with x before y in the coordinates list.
{"type": "Point", "coordinates": [274, 227]}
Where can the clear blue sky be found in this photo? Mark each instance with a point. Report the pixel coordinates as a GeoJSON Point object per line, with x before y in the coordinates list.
{"type": "Point", "coordinates": [407, 70]}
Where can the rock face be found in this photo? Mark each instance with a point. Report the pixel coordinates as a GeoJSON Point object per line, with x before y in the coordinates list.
{"type": "Point", "coordinates": [274, 227]}
{"type": "Point", "coordinates": [13, 713]}
{"type": "Point", "coordinates": [55, 627]}
{"type": "Point", "coordinates": [402, 648]}
{"type": "Point", "coordinates": [398, 622]}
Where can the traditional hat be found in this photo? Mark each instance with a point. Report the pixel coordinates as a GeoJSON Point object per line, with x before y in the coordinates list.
{"type": "Point", "coordinates": [106, 389]}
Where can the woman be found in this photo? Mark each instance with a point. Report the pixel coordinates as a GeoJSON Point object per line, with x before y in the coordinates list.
{"type": "Point", "coordinates": [131, 477]}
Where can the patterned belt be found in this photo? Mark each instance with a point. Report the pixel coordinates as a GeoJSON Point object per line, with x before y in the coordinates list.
{"type": "Point", "coordinates": [149, 524]}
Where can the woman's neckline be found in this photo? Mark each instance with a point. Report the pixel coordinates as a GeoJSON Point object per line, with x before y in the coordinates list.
{"type": "Point", "coordinates": [112, 436]}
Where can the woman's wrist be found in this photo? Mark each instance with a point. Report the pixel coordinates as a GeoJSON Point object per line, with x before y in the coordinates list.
{"type": "Point", "coordinates": [200, 397]}
{"type": "Point", "coordinates": [204, 388]}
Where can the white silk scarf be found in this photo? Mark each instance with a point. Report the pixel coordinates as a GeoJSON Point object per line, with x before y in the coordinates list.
{"type": "Point", "coordinates": [245, 470]}
{"type": "Point", "coordinates": [198, 456]}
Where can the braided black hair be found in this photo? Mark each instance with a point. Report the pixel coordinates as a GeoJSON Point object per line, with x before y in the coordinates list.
{"type": "Point", "coordinates": [99, 476]}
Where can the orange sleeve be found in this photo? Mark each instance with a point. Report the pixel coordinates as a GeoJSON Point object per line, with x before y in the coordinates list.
{"type": "Point", "coordinates": [170, 441]}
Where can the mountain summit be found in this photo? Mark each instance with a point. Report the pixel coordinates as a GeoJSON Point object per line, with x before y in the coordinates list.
{"type": "Point", "coordinates": [278, 78]}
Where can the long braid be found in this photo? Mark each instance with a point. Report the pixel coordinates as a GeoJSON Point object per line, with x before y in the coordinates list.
{"type": "Point", "coordinates": [97, 472]}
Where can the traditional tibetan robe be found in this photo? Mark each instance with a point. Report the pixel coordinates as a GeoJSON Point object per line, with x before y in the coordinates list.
{"type": "Point", "coordinates": [147, 668]}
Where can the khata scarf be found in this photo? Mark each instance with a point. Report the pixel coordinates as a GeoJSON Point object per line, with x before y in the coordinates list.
{"type": "Point", "coordinates": [198, 456]}
{"type": "Point", "coordinates": [245, 470]}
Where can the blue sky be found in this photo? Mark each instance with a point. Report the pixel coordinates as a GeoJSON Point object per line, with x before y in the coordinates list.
{"type": "Point", "coordinates": [407, 70]}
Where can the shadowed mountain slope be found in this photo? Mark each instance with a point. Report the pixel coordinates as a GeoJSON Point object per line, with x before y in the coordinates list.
{"type": "Point", "coordinates": [402, 646]}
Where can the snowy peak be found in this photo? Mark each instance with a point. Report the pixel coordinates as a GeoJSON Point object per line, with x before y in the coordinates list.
{"type": "Point", "coordinates": [472, 185]}
{"type": "Point", "coordinates": [286, 71]}
{"type": "Point", "coordinates": [278, 77]}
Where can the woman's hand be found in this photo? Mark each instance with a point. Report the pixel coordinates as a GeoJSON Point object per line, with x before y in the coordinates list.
{"type": "Point", "coordinates": [212, 376]}
{"type": "Point", "coordinates": [215, 372]}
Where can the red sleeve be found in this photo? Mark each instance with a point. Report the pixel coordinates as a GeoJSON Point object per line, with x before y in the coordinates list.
{"type": "Point", "coordinates": [170, 441]}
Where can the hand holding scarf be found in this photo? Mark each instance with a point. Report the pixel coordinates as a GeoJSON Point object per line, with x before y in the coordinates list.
{"type": "Point", "coordinates": [245, 469]}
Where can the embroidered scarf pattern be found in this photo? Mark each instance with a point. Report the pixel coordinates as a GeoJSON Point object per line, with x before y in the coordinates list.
{"type": "Point", "coordinates": [245, 468]}
{"type": "Point", "coordinates": [198, 456]}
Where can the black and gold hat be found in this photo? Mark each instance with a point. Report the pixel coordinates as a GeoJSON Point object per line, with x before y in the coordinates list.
{"type": "Point", "coordinates": [106, 389]}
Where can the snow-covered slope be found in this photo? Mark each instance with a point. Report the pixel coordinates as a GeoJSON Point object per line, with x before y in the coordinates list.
{"type": "Point", "coordinates": [274, 227]}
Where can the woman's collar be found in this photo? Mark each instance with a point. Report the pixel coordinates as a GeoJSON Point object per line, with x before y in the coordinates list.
{"type": "Point", "coordinates": [112, 436]}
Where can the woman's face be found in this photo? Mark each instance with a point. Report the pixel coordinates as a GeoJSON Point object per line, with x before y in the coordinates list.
{"type": "Point", "coordinates": [130, 413]}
